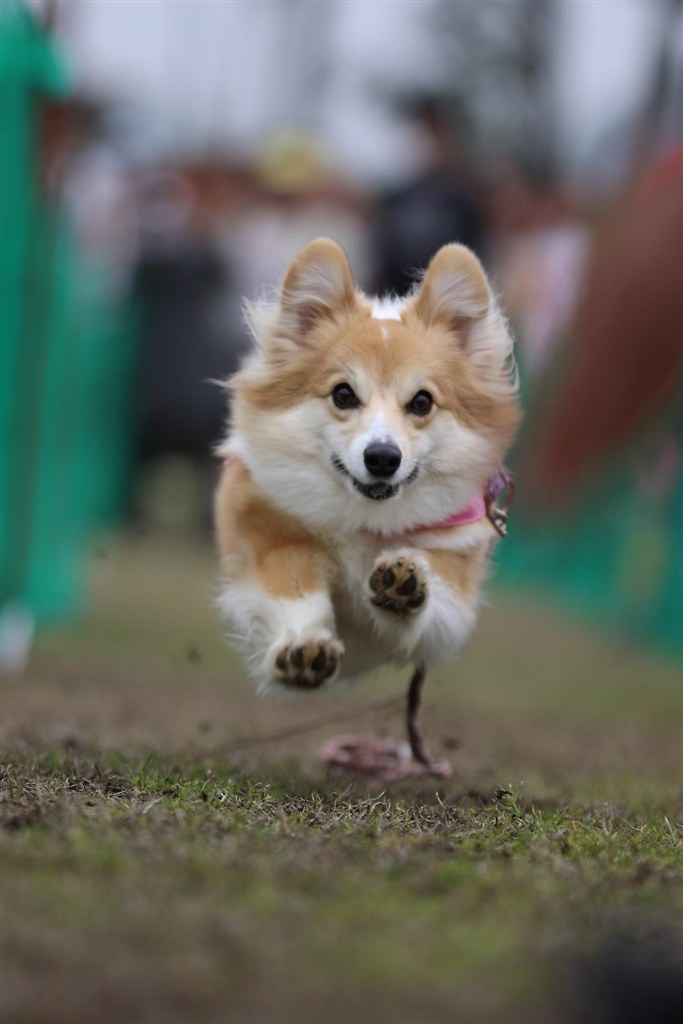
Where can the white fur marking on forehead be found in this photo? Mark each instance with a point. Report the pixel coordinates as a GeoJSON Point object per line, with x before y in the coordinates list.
{"type": "Point", "coordinates": [388, 308]}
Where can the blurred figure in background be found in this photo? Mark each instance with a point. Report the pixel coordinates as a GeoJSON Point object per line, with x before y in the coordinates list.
{"type": "Point", "coordinates": [185, 346]}
{"type": "Point", "coordinates": [295, 199]}
{"type": "Point", "coordinates": [438, 207]}
{"type": "Point", "coordinates": [211, 236]}
{"type": "Point", "coordinates": [176, 280]}
{"type": "Point", "coordinates": [538, 250]}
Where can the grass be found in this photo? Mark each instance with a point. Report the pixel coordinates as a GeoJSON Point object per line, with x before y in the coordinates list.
{"type": "Point", "coordinates": [149, 877]}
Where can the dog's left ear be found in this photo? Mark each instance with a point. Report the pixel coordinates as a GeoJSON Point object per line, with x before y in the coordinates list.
{"type": "Point", "coordinates": [455, 291]}
{"type": "Point", "coordinates": [456, 294]}
{"type": "Point", "coordinates": [318, 286]}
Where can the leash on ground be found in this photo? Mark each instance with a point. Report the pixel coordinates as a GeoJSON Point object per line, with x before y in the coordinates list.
{"type": "Point", "coordinates": [258, 740]}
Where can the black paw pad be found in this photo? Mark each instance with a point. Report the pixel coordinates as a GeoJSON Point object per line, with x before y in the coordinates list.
{"type": "Point", "coordinates": [307, 666]}
{"type": "Point", "coordinates": [398, 587]}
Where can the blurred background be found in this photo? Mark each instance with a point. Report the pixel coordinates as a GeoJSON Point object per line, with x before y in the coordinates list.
{"type": "Point", "coordinates": [160, 161]}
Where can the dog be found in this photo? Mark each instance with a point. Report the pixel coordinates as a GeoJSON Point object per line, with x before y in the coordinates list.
{"type": "Point", "coordinates": [354, 513]}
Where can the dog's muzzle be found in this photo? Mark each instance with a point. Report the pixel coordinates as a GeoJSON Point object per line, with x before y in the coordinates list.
{"type": "Point", "coordinates": [378, 490]}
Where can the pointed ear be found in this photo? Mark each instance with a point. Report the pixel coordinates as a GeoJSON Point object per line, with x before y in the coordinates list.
{"type": "Point", "coordinates": [454, 292]}
{"type": "Point", "coordinates": [318, 286]}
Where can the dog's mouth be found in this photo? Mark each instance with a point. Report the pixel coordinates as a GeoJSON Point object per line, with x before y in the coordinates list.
{"type": "Point", "coordinates": [380, 490]}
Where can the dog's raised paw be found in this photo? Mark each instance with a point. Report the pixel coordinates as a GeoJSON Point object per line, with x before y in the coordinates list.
{"type": "Point", "coordinates": [307, 664]}
{"type": "Point", "coordinates": [398, 585]}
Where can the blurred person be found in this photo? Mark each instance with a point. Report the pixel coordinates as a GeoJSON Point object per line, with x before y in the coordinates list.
{"type": "Point", "coordinates": [99, 197]}
{"type": "Point", "coordinates": [437, 207]}
{"type": "Point", "coordinates": [295, 200]}
{"type": "Point", "coordinates": [539, 252]}
{"type": "Point", "coordinates": [88, 175]}
{"type": "Point", "coordinates": [182, 346]}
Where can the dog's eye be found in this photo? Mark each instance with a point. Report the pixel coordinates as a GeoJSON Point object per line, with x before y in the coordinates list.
{"type": "Point", "coordinates": [344, 397]}
{"type": "Point", "coordinates": [420, 404]}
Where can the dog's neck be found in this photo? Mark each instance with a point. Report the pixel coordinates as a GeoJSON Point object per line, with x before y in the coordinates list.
{"type": "Point", "coordinates": [475, 510]}
{"type": "Point", "coordinates": [480, 507]}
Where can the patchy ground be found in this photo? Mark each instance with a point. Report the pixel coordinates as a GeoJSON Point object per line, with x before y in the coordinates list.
{"type": "Point", "coordinates": [158, 867]}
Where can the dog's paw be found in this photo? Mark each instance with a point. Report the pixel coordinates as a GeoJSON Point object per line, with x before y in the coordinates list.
{"type": "Point", "coordinates": [398, 584]}
{"type": "Point", "coordinates": [308, 662]}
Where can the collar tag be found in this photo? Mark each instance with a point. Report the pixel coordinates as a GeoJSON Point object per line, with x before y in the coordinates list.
{"type": "Point", "coordinates": [500, 485]}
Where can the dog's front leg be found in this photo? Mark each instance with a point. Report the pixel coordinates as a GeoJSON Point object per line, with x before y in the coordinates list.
{"type": "Point", "coordinates": [283, 618]}
{"type": "Point", "coordinates": [304, 651]}
{"type": "Point", "coordinates": [275, 593]}
{"type": "Point", "coordinates": [417, 603]}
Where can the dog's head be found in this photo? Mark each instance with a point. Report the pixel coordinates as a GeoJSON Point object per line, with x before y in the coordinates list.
{"type": "Point", "coordinates": [380, 417]}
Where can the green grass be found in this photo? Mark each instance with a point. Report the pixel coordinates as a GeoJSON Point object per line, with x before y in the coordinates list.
{"type": "Point", "coordinates": [390, 901]}
{"type": "Point", "coordinates": [146, 878]}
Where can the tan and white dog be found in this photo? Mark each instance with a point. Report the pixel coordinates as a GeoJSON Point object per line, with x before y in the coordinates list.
{"type": "Point", "coordinates": [349, 514]}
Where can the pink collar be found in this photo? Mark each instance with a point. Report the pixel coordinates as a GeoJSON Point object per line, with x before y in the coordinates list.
{"type": "Point", "coordinates": [470, 514]}
{"type": "Point", "coordinates": [484, 505]}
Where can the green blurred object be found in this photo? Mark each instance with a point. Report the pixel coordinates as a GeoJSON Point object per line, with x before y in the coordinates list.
{"type": "Point", "coordinates": [65, 356]}
{"type": "Point", "coordinates": [615, 558]}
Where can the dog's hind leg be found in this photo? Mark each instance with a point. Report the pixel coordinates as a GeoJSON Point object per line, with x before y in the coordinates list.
{"type": "Point", "coordinates": [418, 746]}
{"type": "Point", "coordinates": [387, 758]}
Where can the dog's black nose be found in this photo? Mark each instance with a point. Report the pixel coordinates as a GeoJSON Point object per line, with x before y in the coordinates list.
{"type": "Point", "coordinates": [382, 459]}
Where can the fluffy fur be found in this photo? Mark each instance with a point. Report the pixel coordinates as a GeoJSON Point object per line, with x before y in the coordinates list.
{"type": "Point", "coordinates": [328, 570]}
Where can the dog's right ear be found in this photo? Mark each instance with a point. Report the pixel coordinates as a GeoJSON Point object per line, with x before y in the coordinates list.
{"type": "Point", "coordinates": [318, 286]}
